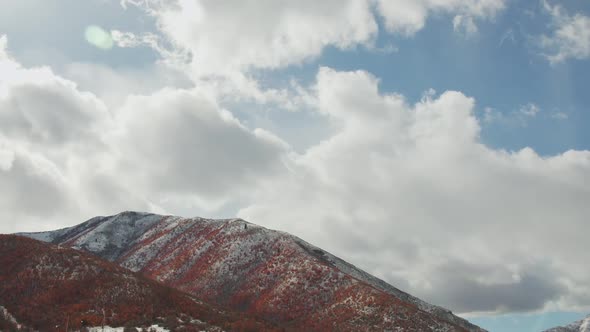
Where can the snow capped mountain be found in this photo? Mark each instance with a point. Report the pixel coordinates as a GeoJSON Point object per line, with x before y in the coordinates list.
{"type": "Point", "coordinates": [579, 326]}
{"type": "Point", "coordinates": [245, 267]}
{"type": "Point", "coordinates": [44, 287]}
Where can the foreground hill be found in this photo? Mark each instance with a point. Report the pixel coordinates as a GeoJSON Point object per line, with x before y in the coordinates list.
{"type": "Point", "coordinates": [579, 326]}
{"type": "Point", "coordinates": [270, 274]}
{"type": "Point", "coordinates": [44, 287]}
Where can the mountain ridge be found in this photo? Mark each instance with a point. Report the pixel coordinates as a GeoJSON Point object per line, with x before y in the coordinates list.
{"type": "Point", "coordinates": [227, 255]}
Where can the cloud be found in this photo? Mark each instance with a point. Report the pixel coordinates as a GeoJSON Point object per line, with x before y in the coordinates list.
{"type": "Point", "coordinates": [185, 143]}
{"type": "Point", "coordinates": [458, 287]}
{"type": "Point", "coordinates": [529, 110]}
{"type": "Point", "coordinates": [6, 159]}
{"type": "Point", "coordinates": [519, 117]}
{"type": "Point", "coordinates": [32, 188]}
{"type": "Point", "coordinates": [570, 37]}
{"type": "Point", "coordinates": [560, 116]}
{"type": "Point", "coordinates": [46, 109]}
{"type": "Point", "coordinates": [223, 46]}
{"type": "Point", "coordinates": [272, 34]}
{"type": "Point", "coordinates": [51, 146]}
{"type": "Point", "coordinates": [3, 45]}
{"type": "Point", "coordinates": [66, 156]}
{"type": "Point", "coordinates": [114, 85]}
{"type": "Point", "coordinates": [409, 16]}
{"type": "Point", "coordinates": [409, 193]}
{"type": "Point", "coordinates": [465, 25]}
{"type": "Point", "coordinates": [507, 36]}
{"type": "Point", "coordinates": [278, 34]}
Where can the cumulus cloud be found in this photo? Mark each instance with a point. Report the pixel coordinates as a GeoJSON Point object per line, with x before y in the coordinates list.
{"type": "Point", "coordinates": [271, 34]}
{"type": "Point", "coordinates": [409, 16]}
{"type": "Point", "coordinates": [409, 191]}
{"type": "Point", "coordinates": [570, 37]}
{"type": "Point", "coordinates": [113, 86]}
{"type": "Point", "coordinates": [275, 34]}
{"type": "Point", "coordinates": [185, 143]}
{"type": "Point", "coordinates": [51, 144]}
{"type": "Point", "coordinates": [224, 44]}
{"type": "Point", "coordinates": [66, 156]}
{"type": "Point", "coordinates": [39, 106]}
{"type": "Point", "coordinates": [32, 189]}
{"type": "Point", "coordinates": [458, 286]}
{"type": "Point", "coordinates": [46, 109]}
{"type": "Point", "coordinates": [6, 158]}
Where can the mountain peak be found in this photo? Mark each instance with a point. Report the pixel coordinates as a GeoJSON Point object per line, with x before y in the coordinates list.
{"type": "Point", "coordinates": [271, 274]}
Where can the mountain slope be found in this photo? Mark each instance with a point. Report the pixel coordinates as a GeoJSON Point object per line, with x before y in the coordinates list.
{"type": "Point", "coordinates": [249, 268]}
{"type": "Point", "coordinates": [579, 326]}
{"type": "Point", "coordinates": [45, 287]}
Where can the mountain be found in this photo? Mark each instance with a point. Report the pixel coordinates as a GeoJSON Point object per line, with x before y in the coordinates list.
{"type": "Point", "coordinates": [43, 287]}
{"type": "Point", "coordinates": [579, 326]}
{"type": "Point", "coordinates": [245, 267]}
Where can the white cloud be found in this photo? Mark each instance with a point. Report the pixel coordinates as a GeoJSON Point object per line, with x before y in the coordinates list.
{"type": "Point", "coordinates": [3, 44]}
{"type": "Point", "coordinates": [222, 44]}
{"type": "Point", "coordinates": [240, 35]}
{"type": "Point", "coordinates": [519, 117]}
{"type": "Point", "coordinates": [570, 38]}
{"type": "Point", "coordinates": [465, 25]}
{"type": "Point", "coordinates": [560, 115]}
{"type": "Point", "coordinates": [171, 56]}
{"type": "Point", "coordinates": [185, 144]}
{"type": "Point", "coordinates": [52, 148]}
{"type": "Point", "coordinates": [66, 156]}
{"type": "Point", "coordinates": [409, 16]}
{"type": "Point", "coordinates": [507, 36]}
{"type": "Point", "coordinates": [409, 193]}
{"type": "Point", "coordinates": [6, 159]}
{"type": "Point", "coordinates": [32, 189]}
{"type": "Point", "coordinates": [114, 85]}
{"type": "Point", "coordinates": [529, 110]}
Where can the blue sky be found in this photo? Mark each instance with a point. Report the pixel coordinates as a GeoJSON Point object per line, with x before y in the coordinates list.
{"type": "Point", "coordinates": [206, 109]}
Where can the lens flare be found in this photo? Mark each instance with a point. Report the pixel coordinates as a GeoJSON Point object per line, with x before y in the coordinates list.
{"type": "Point", "coordinates": [98, 37]}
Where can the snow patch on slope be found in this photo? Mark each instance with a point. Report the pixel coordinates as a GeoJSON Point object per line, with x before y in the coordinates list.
{"type": "Point", "coordinates": [108, 237]}
{"type": "Point", "coordinates": [578, 326]}
{"type": "Point", "coordinates": [9, 317]}
{"type": "Point", "coordinates": [49, 236]}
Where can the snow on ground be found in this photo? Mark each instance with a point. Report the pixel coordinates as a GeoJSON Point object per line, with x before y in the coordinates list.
{"type": "Point", "coordinates": [578, 326]}
{"type": "Point", "coordinates": [4, 312]}
{"type": "Point", "coordinates": [105, 329]}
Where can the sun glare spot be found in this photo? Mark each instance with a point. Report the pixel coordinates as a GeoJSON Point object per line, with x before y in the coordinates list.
{"type": "Point", "coordinates": [98, 37]}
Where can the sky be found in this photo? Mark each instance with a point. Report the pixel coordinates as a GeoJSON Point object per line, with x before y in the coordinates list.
{"type": "Point", "coordinates": [441, 145]}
